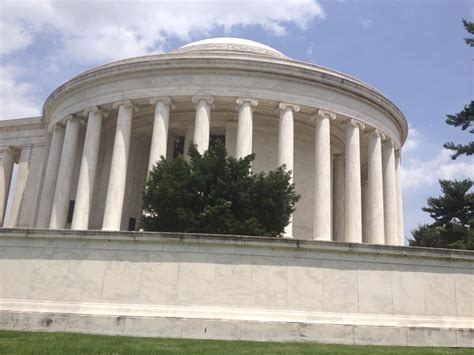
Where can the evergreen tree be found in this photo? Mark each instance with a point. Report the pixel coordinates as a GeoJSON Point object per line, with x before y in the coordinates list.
{"type": "Point", "coordinates": [214, 193]}
{"type": "Point", "coordinates": [453, 215]}
{"type": "Point", "coordinates": [456, 203]}
{"type": "Point", "coordinates": [469, 27]}
{"type": "Point", "coordinates": [465, 118]}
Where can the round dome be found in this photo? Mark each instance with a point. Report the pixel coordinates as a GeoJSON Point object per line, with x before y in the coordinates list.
{"type": "Point", "coordinates": [229, 44]}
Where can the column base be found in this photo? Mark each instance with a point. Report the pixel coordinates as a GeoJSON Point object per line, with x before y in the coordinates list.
{"type": "Point", "coordinates": [110, 229]}
{"type": "Point", "coordinates": [321, 239]}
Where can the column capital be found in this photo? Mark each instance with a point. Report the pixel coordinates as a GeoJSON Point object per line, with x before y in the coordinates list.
{"type": "Point", "coordinates": [354, 123]}
{"type": "Point", "coordinates": [56, 126]}
{"type": "Point", "coordinates": [165, 99]}
{"type": "Point", "coordinates": [285, 105]}
{"type": "Point", "coordinates": [11, 149]}
{"type": "Point", "coordinates": [126, 104]}
{"type": "Point", "coordinates": [240, 101]}
{"type": "Point", "coordinates": [73, 117]}
{"type": "Point", "coordinates": [208, 99]}
{"type": "Point", "coordinates": [390, 143]}
{"type": "Point", "coordinates": [376, 132]}
{"type": "Point", "coordinates": [320, 114]}
{"type": "Point", "coordinates": [95, 110]}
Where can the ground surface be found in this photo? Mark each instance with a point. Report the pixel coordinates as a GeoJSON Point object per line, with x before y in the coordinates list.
{"type": "Point", "coordinates": [64, 343]}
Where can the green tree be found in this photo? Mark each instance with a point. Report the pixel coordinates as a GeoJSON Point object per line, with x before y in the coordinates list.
{"type": "Point", "coordinates": [465, 118]}
{"type": "Point", "coordinates": [453, 215]}
{"type": "Point", "coordinates": [469, 27]}
{"type": "Point", "coordinates": [214, 193]}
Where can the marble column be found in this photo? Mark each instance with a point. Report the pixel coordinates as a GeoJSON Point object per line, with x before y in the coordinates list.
{"type": "Point", "coordinates": [159, 138]}
{"type": "Point", "coordinates": [202, 122]}
{"type": "Point", "coordinates": [50, 177]}
{"type": "Point", "coordinates": [286, 146]}
{"type": "Point", "coordinates": [352, 190]}
{"type": "Point", "coordinates": [87, 173]}
{"type": "Point", "coordinates": [6, 170]}
{"type": "Point", "coordinates": [338, 198]}
{"type": "Point", "coordinates": [399, 197]}
{"type": "Point", "coordinates": [364, 193]}
{"type": "Point", "coordinates": [244, 127]}
{"type": "Point", "coordinates": [322, 176]}
{"type": "Point", "coordinates": [390, 194]}
{"type": "Point", "coordinates": [375, 215]}
{"type": "Point", "coordinates": [118, 170]}
{"type": "Point", "coordinates": [62, 192]}
{"type": "Point", "coordinates": [19, 198]}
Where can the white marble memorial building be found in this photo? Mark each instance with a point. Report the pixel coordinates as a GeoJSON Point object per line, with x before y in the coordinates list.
{"type": "Point", "coordinates": [83, 164]}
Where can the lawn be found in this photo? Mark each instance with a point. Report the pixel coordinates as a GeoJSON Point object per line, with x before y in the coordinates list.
{"type": "Point", "coordinates": [66, 343]}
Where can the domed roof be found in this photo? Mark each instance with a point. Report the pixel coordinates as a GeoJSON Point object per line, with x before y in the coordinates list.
{"type": "Point", "coordinates": [229, 44]}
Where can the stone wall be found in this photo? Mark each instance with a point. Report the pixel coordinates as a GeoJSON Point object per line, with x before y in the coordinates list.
{"type": "Point", "coordinates": [225, 287]}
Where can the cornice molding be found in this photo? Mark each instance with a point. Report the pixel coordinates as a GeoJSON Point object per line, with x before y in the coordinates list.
{"type": "Point", "coordinates": [288, 70]}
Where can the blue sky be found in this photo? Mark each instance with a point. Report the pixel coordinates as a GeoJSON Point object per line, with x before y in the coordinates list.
{"type": "Point", "coordinates": [413, 51]}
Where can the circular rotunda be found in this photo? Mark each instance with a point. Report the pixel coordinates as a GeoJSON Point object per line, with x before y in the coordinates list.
{"type": "Point", "coordinates": [340, 137]}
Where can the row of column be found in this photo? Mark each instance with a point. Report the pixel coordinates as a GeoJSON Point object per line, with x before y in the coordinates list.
{"type": "Point", "coordinates": [383, 220]}
{"type": "Point", "coordinates": [384, 196]}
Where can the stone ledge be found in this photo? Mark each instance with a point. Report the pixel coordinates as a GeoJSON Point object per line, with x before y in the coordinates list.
{"type": "Point", "coordinates": [234, 314]}
{"type": "Point", "coordinates": [242, 241]}
{"type": "Point", "coordinates": [235, 330]}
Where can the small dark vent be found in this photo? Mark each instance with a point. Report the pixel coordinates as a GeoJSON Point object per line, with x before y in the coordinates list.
{"type": "Point", "coordinates": [70, 211]}
{"type": "Point", "coordinates": [132, 223]}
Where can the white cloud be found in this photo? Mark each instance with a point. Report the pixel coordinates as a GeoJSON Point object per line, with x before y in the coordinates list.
{"type": "Point", "coordinates": [99, 31]}
{"type": "Point", "coordinates": [366, 22]}
{"type": "Point", "coordinates": [418, 174]}
{"type": "Point", "coordinates": [16, 98]}
{"type": "Point", "coordinates": [92, 32]}
{"type": "Point", "coordinates": [13, 37]}
{"type": "Point", "coordinates": [413, 140]}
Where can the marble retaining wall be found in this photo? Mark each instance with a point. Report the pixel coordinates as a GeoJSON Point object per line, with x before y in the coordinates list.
{"type": "Point", "coordinates": [227, 287]}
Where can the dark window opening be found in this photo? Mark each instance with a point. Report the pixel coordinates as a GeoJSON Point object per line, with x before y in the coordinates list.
{"type": "Point", "coordinates": [132, 223]}
{"type": "Point", "coordinates": [70, 211]}
{"type": "Point", "coordinates": [178, 147]}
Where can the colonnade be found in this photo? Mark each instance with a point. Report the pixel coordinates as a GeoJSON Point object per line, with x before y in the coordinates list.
{"type": "Point", "coordinates": [337, 178]}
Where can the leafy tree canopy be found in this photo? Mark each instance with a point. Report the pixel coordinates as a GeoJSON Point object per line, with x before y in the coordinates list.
{"type": "Point", "coordinates": [453, 215]}
{"type": "Point", "coordinates": [214, 193]}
